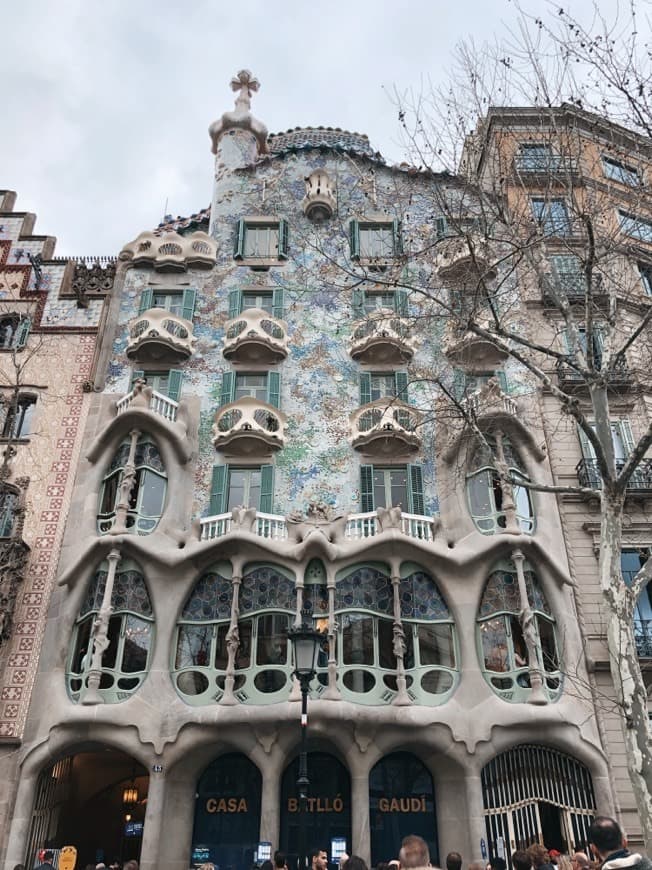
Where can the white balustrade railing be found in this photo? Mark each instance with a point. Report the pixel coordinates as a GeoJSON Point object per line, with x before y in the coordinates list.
{"type": "Point", "coordinates": [215, 527]}
{"type": "Point", "coordinates": [159, 404]}
{"type": "Point", "coordinates": [271, 526]}
{"type": "Point", "coordinates": [480, 400]}
{"type": "Point", "coordinates": [359, 526]}
{"type": "Point", "coordinates": [415, 526]}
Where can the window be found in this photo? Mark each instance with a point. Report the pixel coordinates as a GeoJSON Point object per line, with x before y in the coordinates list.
{"type": "Point", "coordinates": [535, 157]}
{"type": "Point", "coordinates": [552, 216]}
{"type": "Point", "coordinates": [636, 227]}
{"type": "Point", "coordinates": [568, 275]}
{"type": "Point", "coordinates": [502, 647]}
{"type": "Point", "coordinates": [645, 271]}
{"type": "Point", "coordinates": [631, 562]}
{"type": "Point", "coordinates": [180, 303]}
{"type": "Point", "coordinates": [167, 383]}
{"type": "Point", "coordinates": [368, 302]}
{"type": "Point", "coordinates": [486, 492]}
{"type": "Point", "coordinates": [250, 487]}
{"type": "Point", "coordinates": [261, 240]}
{"type": "Point", "coordinates": [450, 227]}
{"type": "Point", "coordinates": [467, 383]}
{"type": "Point", "coordinates": [264, 386]}
{"type": "Point", "coordinates": [147, 495]}
{"type": "Point", "coordinates": [270, 301]}
{"type": "Point", "coordinates": [621, 172]}
{"type": "Point", "coordinates": [375, 240]}
{"type": "Point", "coordinates": [17, 416]}
{"type": "Point", "coordinates": [14, 331]}
{"type": "Point", "coordinates": [8, 512]}
{"type": "Point", "coordinates": [383, 385]}
{"type": "Point", "coordinates": [126, 659]}
{"type": "Point", "coordinates": [394, 486]}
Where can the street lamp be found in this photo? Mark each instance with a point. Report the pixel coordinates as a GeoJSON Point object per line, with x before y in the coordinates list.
{"type": "Point", "coordinates": [305, 642]}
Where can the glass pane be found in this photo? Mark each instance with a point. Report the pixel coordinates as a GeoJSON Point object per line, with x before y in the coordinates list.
{"type": "Point", "coordinates": [518, 643]}
{"type": "Point", "coordinates": [374, 301]}
{"type": "Point", "coordinates": [436, 645]}
{"type": "Point", "coordinates": [110, 492]}
{"type": "Point", "coordinates": [193, 646]}
{"type": "Point", "coordinates": [398, 483]}
{"type": "Point", "coordinates": [270, 681]}
{"type": "Point", "coordinates": [258, 300]}
{"type": "Point", "coordinates": [357, 640]}
{"type": "Point", "coordinates": [359, 681]}
{"type": "Point", "coordinates": [138, 636]}
{"type": "Point", "coordinates": [152, 493]}
{"type": "Point", "coordinates": [111, 652]}
{"type": "Point", "coordinates": [382, 386]}
{"type": "Point", "coordinates": [243, 655]}
{"type": "Point", "coordinates": [376, 241]}
{"type": "Point", "coordinates": [261, 241]}
{"type": "Point", "coordinates": [244, 488]}
{"type": "Point", "coordinates": [436, 682]}
{"type": "Point", "coordinates": [192, 683]}
{"type": "Point", "coordinates": [251, 385]}
{"type": "Point", "coordinates": [480, 494]}
{"type": "Point", "coordinates": [494, 644]}
{"type": "Point", "coordinates": [548, 645]}
{"type": "Point", "coordinates": [386, 657]}
{"type": "Point", "coordinates": [271, 646]}
{"type": "Point", "coordinates": [221, 651]}
{"type": "Point", "coordinates": [81, 647]}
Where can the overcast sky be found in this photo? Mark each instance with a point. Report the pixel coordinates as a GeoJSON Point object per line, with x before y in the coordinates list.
{"type": "Point", "coordinates": [105, 108]}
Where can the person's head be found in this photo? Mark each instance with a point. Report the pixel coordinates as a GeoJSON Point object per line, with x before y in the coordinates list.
{"type": "Point", "coordinates": [100, 866]}
{"type": "Point", "coordinates": [605, 836]}
{"type": "Point", "coordinates": [414, 852]}
{"type": "Point", "coordinates": [279, 860]}
{"type": "Point", "coordinates": [354, 862]}
{"type": "Point", "coordinates": [48, 856]}
{"type": "Point", "coordinates": [497, 863]}
{"type": "Point", "coordinates": [319, 859]}
{"type": "Point", "coordinates": [563, 862]}
{"type": "Point", "coordinates": [453, 861]}
{"type": "Point", "coordinates": [207, 866]}
{"type": "Point", "coordinates": [538, 855]}
{"type": "Point", "coordinates": [19, 867]}
{"type": "Point", "coordinates": [266, 865]}
{"type": "Point", "coordinates": [476, 865]}
{"type": "Point", "coordinates": [131, 865]}
{"type": "Point", "coordinates": [579, 861]}
{"type": "Point", "coordinates": [521, 860]}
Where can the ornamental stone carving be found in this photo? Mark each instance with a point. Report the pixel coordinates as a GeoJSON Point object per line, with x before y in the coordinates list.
{"type": "Point", "coordinates": [171, 251]}
{"type": "Point", "coordinates": [92, 280]}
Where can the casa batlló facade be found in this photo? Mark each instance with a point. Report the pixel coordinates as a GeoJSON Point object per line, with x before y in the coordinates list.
{"type": "Point", "coordinates": [264, 441]}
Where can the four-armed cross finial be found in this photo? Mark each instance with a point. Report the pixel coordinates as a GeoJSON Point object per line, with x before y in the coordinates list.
{"type": "Point", "coordinates": [244, 82]}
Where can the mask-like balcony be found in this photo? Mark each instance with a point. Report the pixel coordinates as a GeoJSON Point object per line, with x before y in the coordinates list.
{"type": "Point", "coordinates": [382, 339]}
{"type": "Point", "coordinates": [464, 258]}
{"type": "Point", "coordinates": [385, 428]}
{"type": "Point", "coordinates": [171, 251]}
{"type": "Point", "coordinates": [157, 335]}
{"type": "Point", "coordinates": [465, 346]}
{"type": "Point", "coordinates": [255, 337]}
{"type": "Point", "coordinates": [249, 427]}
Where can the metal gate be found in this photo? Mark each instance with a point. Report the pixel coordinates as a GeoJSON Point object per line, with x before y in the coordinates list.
{"type": "Point", "coordinates": [518, 785]}
{"type": "Point", "coordinates": [52, 791]}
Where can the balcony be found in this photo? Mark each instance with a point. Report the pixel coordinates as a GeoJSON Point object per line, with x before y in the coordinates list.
{"type": "Point", "coordinates": [255, 337]}
{"type": "Point", "coordinates": [382, 339]}
{"type": "Point", "coordinates": [643, 637]}
{"type": "Point", "coordinates": [464, 258]}
{"type": "Point", "coordinates": [619, 377]}
{"type": "Point", "coordinates": [546, 168]}
{"type": "Point", "coordinates": [158, 336]}
{"type": "Point", "coordinates": [574, 286]}
{"type": "Point", "coordinates": [380, 429]}
{"type": "Point", "coordinates": [489, 401]}
{"type": "Point", "coordinates": [465, 346]}
{"type": "Point", "coordinates": [157, 403]}
{"type": "Point", "coordinates": [588, 475]}
{"type": "Point", "coordinates": [248, 427]}
{"type": "Point", "coordinates": [171, 251]}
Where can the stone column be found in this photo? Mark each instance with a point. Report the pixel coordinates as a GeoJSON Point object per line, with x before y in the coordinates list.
{"type": "Point", "coordinates": [270, 802]}
{"type": "Point", "coordinates": [155, 818]}
{"type": "Point", "coordinates": [232, 642]}
{"type": "Point", "coordinates": [100, 635]}
{"type": "Point", "coordinates": [509, 505]}
{"type": "Point", "coordinates": [526, 617]}
{"type": "Point", "coordinates": [402, 698]}
{"type": "Point", "coordinates": [126, 486]}
{"type": "Point", "coordinates": [475, 823]}
{"type": "Point", "coordinates": [360, 832]}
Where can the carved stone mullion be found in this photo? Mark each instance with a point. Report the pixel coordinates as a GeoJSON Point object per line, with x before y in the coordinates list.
{"type": "Point", "coordinates": [402, 698]}
{"type": "Point", "coordinates": [126, 486]}
{"type": "Point", "coordinates": [100, 635]}
{"type": "Point", "coordinates": [232, 643]}
{"type": "Point", "coordinates": [526, 619]}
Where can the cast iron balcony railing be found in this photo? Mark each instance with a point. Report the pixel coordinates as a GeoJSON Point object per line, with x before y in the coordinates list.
{"type": "Point", "coordinates": [619, 376]}
{"type": "Point", "coordinates": [574, 285]}
{"type": "Point", "coordinates": [643, 637]}
{"type": "Point", "coordinates": [157, 335]}
{"type": "Point", "coordinates": [255, 337]}
{"type": "Point", "coordinates": [382, 339]}
{"type": "Point", "coordinates": [547, 167]}
{"type": "Point", "coordinates": [248, 426]}
{"type": "Point", "coordinates": [385, 427]}
{"type": "Point", "coordinates": [588, 475]}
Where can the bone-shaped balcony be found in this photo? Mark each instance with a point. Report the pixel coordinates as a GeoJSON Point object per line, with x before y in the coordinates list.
{"type": "Point", "coordinates": [157, 335]}
{"type": "Point", "coordinates": [249, 426]}
{"type": "Point", "coordinates": [382, 339]}
{"type": "Point", "coordinates": [464, 257]}
{"type": "Point", "coordinates": [385, 427]}
{"type": "Point", "coordinates": [255, 337]}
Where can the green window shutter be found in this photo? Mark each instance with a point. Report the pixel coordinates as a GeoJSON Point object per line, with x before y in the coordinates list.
{"type": "Point", "coordinates": [22, 331]}
{"type": "Point", "coordinates": [175, 377]}
{"type": "Point", "coordinates": [278, 304]}
{"type": "Point", "coordinates": [239, 240]}
{"type": "Point", "coordinates": [266, 489]}
{"type": "Point", "coordinates": [367, 488]}
{"type": "Point", "coordinates": [228, 388]}
{"type": "Point", "coordinates": [274, 389]}
{"type": "Point", "coordinates": [397, 230]}
{"type": "Point", "coordinates": [218, 489]}
{"type": "Point", "coordinates": [415, 489]}
{"type": "Point", "coordinates": [137, 373]}
{"type": "Point", "coordinates": [283, 239]}
{"type": "Point", "coordinates": [188, 304]}
{"type": "Point", "coordinates": [365, 388]}
{"type": "Point", "coordinates": [459, 384]}
{"type": "Point", "coordinates": [401, 303]}
{"type": "Point", "coordinates": [354, 239]}
{"type": "Point", "coordinates": [502, 380]}
{"type": "Point", "coordinates": [627, 435]}
{"type": "Point", "coordinates": [235, 303]}
{"type": "Point", "coordinates": [358, 303]}
{"type": "Point", "coordinates": [401, 379]}
{"type": "Point", "coordinates": [146, 299]}
{"type": "Point", "coordinates": [442, 227]}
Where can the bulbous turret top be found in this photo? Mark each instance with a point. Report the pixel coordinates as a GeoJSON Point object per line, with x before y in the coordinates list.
{"type": "Point", "coordinates": [244, 84]}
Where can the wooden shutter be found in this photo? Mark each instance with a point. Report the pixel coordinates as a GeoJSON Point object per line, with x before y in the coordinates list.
{"type": "Point", "coordinates": [415, 490]}
{"type": "Point", "coordinates": [358, 303]}
{"type": "Point", "coordinates": [278, 305]}
{"type": "Point", "coordinates": [365, 388]}
{"type": "Point", "coordinates": [442, 227]}
{"type": "Point", "coordinates": [354, 239]}
{"type": "Point", "coordinates": [146, 300]}
{"type": "Point", "coordinates": [235, 303]}
{"type": "Point", "coordinates": [22, 331]}
{"type": "Point", "coordinates": [283, 239]}
{"type": "Point", "coordinates": [502, 380]}
{"type": "Point", "coordinates": [367, 488]}
{"type": "Point", "coordinates": [228, 388]}
{"type": "Point", "coordinates": [239, 239]}
{"type": "Point", "coordinates": [137, 373]}
{"type": "Point", "coordinates": [585, 445]}
{"type": "Point", "coordinates": [401, 380]}
{"type": "Point", "coordinates": [188, 304]}
{"type": "Point", "coordinates": [274, 389]}
{"type": "Point", "coordinates": [266, 489]}
{"type": "Point", "coordinates": [218, 489]}
{"type": "Point", "coordinates": [401, 303]}
{"type": "Point", "coordinates": [175, 377]}
{"type": "Point", "coordinates": [397, 231]}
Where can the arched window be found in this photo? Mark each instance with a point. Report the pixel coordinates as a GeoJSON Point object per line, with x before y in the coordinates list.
{"type": "Point", "coordinates": [16, 416]}
{"type": "Point", "coordinates": [14, 330]}
{"type": "Point", "coordinates": [147, 495]}
{"type": "Point", "coordinates": [502, 645]}
{"type": "Point", "coordinates": [8, 512]}
{"type": "Point", "coordinates": [262, 666]}
{"type": "Point", "coordinates": [131, 628]}
{"type": "Point", "coordinates": [487, 493]}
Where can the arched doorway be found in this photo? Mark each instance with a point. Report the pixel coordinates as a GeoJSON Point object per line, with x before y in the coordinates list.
{"type": "Point", "coordinates": [534, 794]}
{"type": "Point", "coordinates": [94, 801]}
{"type": "Point", "coordinates": [227, 813]}
{"type": "Point", "coordinates": [401, 802]}
{"type": "Point", "coordinates": [329, 805]}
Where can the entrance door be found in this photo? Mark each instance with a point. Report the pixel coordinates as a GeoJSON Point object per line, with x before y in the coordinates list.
{"type": "Point", "coordinates": [227, 814]}
{"type": "Point", "coordinates": [401, 802]}
{"type": "Point", "coordinates": [329, 805]}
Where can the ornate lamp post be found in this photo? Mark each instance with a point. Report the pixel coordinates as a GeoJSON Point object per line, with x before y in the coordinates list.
{"type": "Point", "coordinates": [305, 642]}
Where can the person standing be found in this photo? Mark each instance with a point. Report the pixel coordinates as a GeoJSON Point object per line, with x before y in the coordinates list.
{"type": "Point", "coordinates": [414, 853]}
{"type": "Point", "coordinates": [608, 844]}
{"type": "Point", "coordinates": [453, 861]}
{"type": "Point", "coordinates": [46, 860]}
